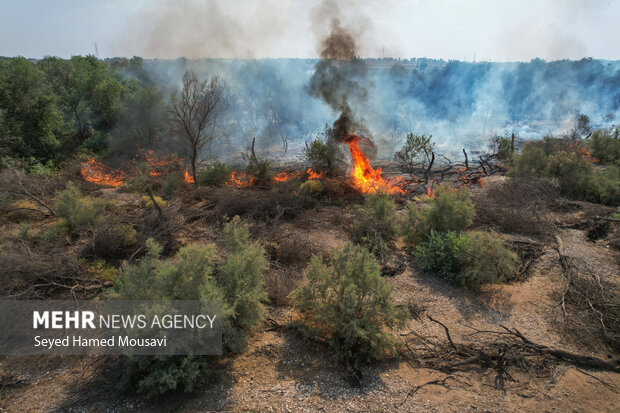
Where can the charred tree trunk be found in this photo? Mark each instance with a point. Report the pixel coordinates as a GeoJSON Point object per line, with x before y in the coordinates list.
{"type": "Point", "coordinates": [430, 166]}
{"type": "Point", "coordinates": [466, 160]}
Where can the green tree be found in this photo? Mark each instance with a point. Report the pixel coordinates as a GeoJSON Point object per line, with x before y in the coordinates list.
{"type": "Point", "coordinates": [31, 124]}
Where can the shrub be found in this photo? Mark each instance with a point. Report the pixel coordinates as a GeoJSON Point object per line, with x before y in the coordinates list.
{"type": "Point", "coordinates": [261, 170]}
{"type": "Point", "coordinates": [189, 276]}
{"type": "Point", "coordinates": [324, 155]}
{"type": "Point", "coordinates": [439, 254]}
{"type": "Point", "coordinates": [531, 160]}
{"type": "Point", "coordinates": [216, 174]}
{"type": "Point", "coordinates": [374, 225]}
{"type": "Point", "coordinates": [313, 186]}
{"type": "Point", "coordinates": [504, 148]}
{"type": "Point", "coordinates": [605, 145]}
{"type": "Point", "coordinates": [486, 260]}
{"type": "Point", "coordinates": [417, 150]}
{"type": "Point", "coordinates": [469, 260]}
{"type": "Point", "coordinates": [579, 179]}
{"type": "Point", "coordinates": [148, 202]}
{"type": "Point", "coordinates": [77, 211]}
{"type": "Point", "coordinates": [347, 303]}
{"type": "Point", "coordinates": [450, 210]}
{"type": "Point", "coordinates": [171, 183]}
{"type": "Point", "coordinates": [241, 278]}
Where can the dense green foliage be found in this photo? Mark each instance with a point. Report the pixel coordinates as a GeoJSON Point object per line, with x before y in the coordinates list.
{"type": "Point", "coordinates": [605, 145]}
{"type": "Point", "coordinates": [450, 210]}
{"type": "Point", "coordinates": [191, 275]}
{"type": "Point", "coordinates": [50, 109]}
{"type": "Point", "coordinates": [439, 254]}
{"type": "Point", "coordinates": [347, 303]}
{"type": "Point", "coordinates": [468, 259]}
{"type": "Point", "coordinates": [216, 174]}
{"type": "Point", "coordinates": [374, 225]}
{"type": "Point", "coordinates": [76, 210]}
{"type": "Point", "coordinates": [570, 163]}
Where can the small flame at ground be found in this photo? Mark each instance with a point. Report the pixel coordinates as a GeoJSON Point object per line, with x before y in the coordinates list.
{"type": "Point", "coordinates": [187, 178]}
{"type": "Point", "coordinates": [365, 177]}
{"type": "Point", "coordinates": [98, 173]}
{"type": "Point", "coordinates": [315, 175]}
{"type": "Point", "coordinates": [240, 179]}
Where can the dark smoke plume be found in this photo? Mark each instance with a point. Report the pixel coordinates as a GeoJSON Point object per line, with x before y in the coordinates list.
{"type": "Point", "coordinates": [339, 78]}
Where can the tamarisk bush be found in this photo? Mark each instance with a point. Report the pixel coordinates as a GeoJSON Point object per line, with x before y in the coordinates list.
{"type": "Point", "coordinates": [348, 304]}
{"type": "Point", "coordinates": [196, 274]}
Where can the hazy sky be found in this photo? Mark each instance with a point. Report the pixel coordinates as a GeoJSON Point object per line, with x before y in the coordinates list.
{"type": "Point", "coordinates": [449, 29]}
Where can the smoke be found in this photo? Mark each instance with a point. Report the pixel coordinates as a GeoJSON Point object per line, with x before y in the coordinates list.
{"type": "Point", "coordinates": [340, 77]}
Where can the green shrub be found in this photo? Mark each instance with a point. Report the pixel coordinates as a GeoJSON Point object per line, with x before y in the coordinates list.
{"type": "Point", "coordinates": [471, 259]}
{"type": "Point", "coordinates": [504, 148]}
{"type": "Point", "coordinates": [439, 254]}
{"type": "Point", "coordinates": [261, 170]}
{"type": "Point", "coordinates": [375, 223]}
{"type": "Point", "coordinates": [241, 278]}
{"type": "Point", "coordinates": [171, 183]}
{"type": "Point", "coordinates": [77, 211]}
{"type": "Point", "coordinates": [531, 160]}
{"type": "Point", "coordinates": [486, 260]}
{"type": "Point", "coordinates": [324, 155]}
{"type": "Point", "coordinates": [578, 178]}
{"type": "Point", "coordinates": [312, 186]}
{"type": "Point", "coordinates": [349, 304]}
{"type": "Point", "coordinates": [450, 210]}
{"type": "Point", "coordinates": [605, 145]}
{"type": "Point", "coordinates": [189, 276]}
{"type": "Point", "coordinates": [216, 174]}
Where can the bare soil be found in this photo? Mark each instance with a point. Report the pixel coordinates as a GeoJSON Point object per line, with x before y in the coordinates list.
{"type": "Point", "coordinates": [281, 372]}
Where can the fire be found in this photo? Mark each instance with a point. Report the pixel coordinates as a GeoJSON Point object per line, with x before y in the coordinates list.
{"type": "Point", "coordinates": [315, 175]}
{"type": "Point", "coordinates": [98, 173]}
{"type": "Point", "coordinates": [160, 165]}
{"type": "Point", "coordinates": [367, 179]}
{"type": "Point", "coordinates": [187, 178]}
{"type": "Point", "coordinates": [240, 179]}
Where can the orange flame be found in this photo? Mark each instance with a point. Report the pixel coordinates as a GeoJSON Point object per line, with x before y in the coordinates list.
{"type": "Point", "coordinates": [367, 179]}
{"type": "Point", "coordinates": [187, 178]}
{"type": "Point", "coordinates": [315, 175]}
{"type": "Point", "coordinates": [98, 173]}
{"type": "Point", "coordinates": [240, 180]}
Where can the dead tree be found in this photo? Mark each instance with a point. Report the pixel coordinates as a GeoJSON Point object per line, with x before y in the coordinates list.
{"type": "Point", "coordinates": [195, 111]}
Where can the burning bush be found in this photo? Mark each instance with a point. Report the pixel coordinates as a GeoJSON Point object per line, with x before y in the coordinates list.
{"type": "Point", "coordinates": [216, 174]}
{"type": "Point", "coordinates": [348, 304]}
{"type": "Point", "coordinates": [189, 276]}
{"type": "Point", "coordinates": [471, 259]}
{"type": "Point", "coordinates": [77, 211]}
{"type": "Point", "coordinates": [450, 210]}
{"type": "Point", "coordinates": [374, 225]}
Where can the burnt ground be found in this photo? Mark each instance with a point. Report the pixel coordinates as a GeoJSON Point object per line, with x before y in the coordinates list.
{"type": "Point", "coordinates": [281, 372]}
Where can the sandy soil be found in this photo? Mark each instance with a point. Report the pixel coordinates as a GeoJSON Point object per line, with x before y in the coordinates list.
{"type": "Point", "coordinates": [281, 372]}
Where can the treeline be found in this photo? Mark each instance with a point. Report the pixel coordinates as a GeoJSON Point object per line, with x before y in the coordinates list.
{"type": "Point", "coordinates": [52, 108]}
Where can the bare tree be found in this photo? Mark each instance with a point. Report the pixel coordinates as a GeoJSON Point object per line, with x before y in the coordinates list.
{"type": "Point", "coordinates": [194, 113]}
